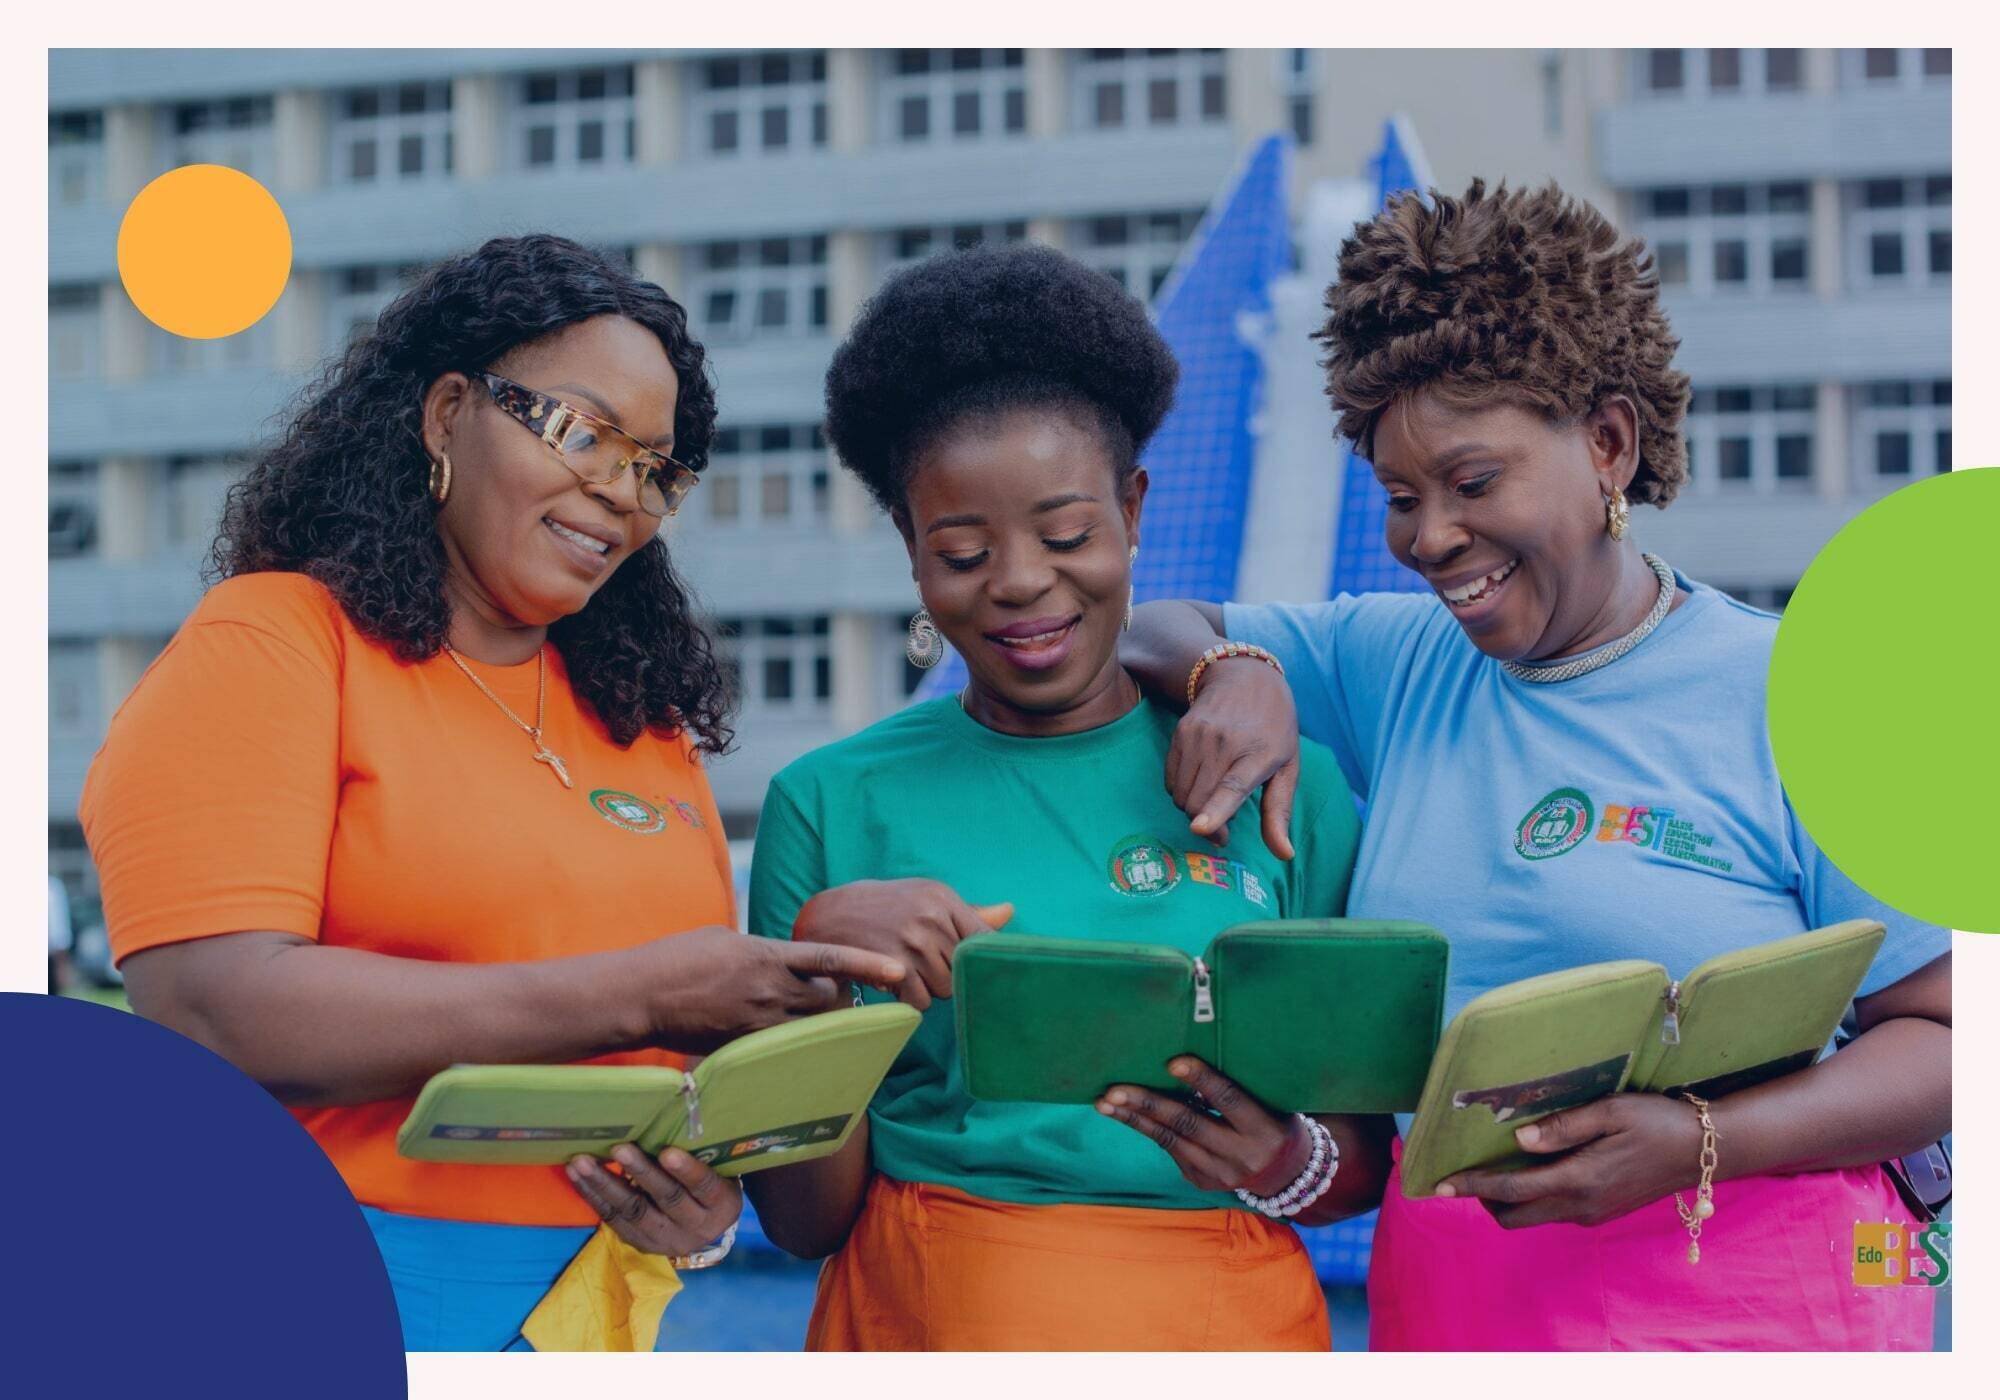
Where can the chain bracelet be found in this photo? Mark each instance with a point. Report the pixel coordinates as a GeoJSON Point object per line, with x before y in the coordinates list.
{"type": "Point", "coordinates": [1704, 1194]}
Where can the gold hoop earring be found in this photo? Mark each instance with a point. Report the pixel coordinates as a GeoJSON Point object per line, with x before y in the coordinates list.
{"type": "Point", "coordinates": [1617, 515]}
{"type": "Point", "coordinates": [1131, 588]}
{"type": "Point", "coordinates": [926, 645]}
{"type": "Point", "coordinates": [440, 483]}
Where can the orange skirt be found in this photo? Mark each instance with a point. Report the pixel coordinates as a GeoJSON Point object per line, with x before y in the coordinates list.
{"type": "Point", "coordinates": [932, 1269]}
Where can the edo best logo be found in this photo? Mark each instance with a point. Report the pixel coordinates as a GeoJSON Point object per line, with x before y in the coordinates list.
{"type": "Point", "coordinates": [627, 812]}
{"type": "Point", "coordinates": [1889, 1255]}
{"type": "Point", "coordinates": [630, 812]}
{"type": "Point", "coordinates": [1554, 825]}
{"type": "Point", "coordinates": [1144, 865]}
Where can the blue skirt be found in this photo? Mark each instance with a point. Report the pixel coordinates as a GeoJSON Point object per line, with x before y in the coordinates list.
{"type": "Point", "coordinates": [463, 1285]}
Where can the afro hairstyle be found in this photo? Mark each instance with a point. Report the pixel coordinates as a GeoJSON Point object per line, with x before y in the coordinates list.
{"type": "Point", "coordinates": [967, 335]}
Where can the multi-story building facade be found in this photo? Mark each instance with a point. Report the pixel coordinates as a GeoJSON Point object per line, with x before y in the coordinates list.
{"type": "Point", "coordinates": [1798, 202]}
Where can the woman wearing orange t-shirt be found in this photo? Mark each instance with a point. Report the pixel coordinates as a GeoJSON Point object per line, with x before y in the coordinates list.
{"type": "Point", "coordinates": [419, 782]}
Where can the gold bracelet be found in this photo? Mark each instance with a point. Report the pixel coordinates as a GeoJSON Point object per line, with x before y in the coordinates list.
{"type": "Point", "coordinates": [1228, 649]}
{"type": "Point", "coordinates": [1704, 1194]}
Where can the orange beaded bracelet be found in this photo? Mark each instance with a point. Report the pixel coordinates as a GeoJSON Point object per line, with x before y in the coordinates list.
{"type": "Point", "coordinates": [1223, 651]}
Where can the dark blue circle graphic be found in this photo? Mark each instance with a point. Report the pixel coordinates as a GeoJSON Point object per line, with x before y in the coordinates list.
{"type": "Point", "coordinates": [171, 1228]}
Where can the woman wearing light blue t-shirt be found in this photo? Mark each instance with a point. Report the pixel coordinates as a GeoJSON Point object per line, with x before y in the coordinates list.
{"type": "Point", "coordinates": [1503, 363]}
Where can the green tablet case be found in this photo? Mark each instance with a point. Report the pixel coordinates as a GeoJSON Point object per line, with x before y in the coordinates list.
{"type": "Point", "coordinates": [1532, 1048]}
{"type": "Point", "coordinates": [784, 1094]}
{"type": "Point", "coordinates": [1308, 1015]}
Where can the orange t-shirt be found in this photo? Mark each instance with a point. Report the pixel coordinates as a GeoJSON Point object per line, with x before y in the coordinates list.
{"type": "Point", "coordinates": [274, 769]}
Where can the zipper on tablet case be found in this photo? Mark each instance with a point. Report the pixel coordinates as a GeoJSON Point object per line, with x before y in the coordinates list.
{"type": "Point", "coordinates": [1670, 1026]}
{"type": "Point", "coordinates": [1204, 999]}
{"type": "Point", "coordinates": [693, 1097]}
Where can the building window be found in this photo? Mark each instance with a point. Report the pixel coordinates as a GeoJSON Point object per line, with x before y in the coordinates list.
{"type": "Point", "coordinates": [951, 94]}
{"type": "Point", "coordinates": [357, 295]}
{"type": "Point", "coordinates": [1895, 68]}
{"type": "Point", "coordinates": [1902, 429]}
{"type": "Point", "coordinates": [1719, 72]}
{"type": "Point", "coordinates": [399, 132]}
{"type": "Point", "coordinates": [1751, 438]}
{"type": "Point", "coordinates": [1713, 240]}
{"type": "Point", "coordinates": [196, 487]}
{"type": "Point", "coordinates": [236, 132]}
{"type": "Point", "coordinates": [761, 287]}
{"type": "Point", "coordinates": [248, 349]}
{"type": "Point", "coordinates": [758, 104]}
{"type": "Point", "coordinates": [781, 666]}
{"type": "Point", "coordinates": [899, 248]}
{"type": "Point", "coordinates": [73, 690]}
{"type": "Point", "coordinates": [1140, 88]}
{"type": "Point", "coordinates": [573, 119]}
{"type": "Point", "coordinates": [1298, 80]}
{"type": "Point", "coordinates": [1138, 250]}
{"type": "Point", "coordinates": [72, 509]}
{"type": "Point", "coordinates": [74, 334]}
{"type": "Point", "coordinates": [1784, 70]}
{"type": "Point", "coordinates": [1898, 232]}
{"type": "Point", "coordinates": [76, 157]}
{"type": "Point", "coordinates": [771, 474]}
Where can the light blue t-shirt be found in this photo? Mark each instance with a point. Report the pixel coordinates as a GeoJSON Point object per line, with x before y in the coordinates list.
{"type": "Point", "coordinates": [1633, 812]}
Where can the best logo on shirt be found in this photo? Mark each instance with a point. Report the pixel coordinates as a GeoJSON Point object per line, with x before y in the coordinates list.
{"type": "Point", "coordinates": [1146, 865]}
{"type": "Point", "coordinates": [1559, 822]}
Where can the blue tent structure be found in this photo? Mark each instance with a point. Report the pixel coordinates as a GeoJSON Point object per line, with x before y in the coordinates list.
{"type": "Point", "coordinates": [1361, 561]}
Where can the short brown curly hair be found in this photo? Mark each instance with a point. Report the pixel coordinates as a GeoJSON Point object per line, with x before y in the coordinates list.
{"type": "Point", "coordinates": [1530, 297]}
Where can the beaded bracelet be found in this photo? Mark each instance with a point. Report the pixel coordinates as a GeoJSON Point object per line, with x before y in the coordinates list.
{"type": "Point", "coordinates": [1309, 1185]}
{"type": "Point", "coordinates": [1222, 652]}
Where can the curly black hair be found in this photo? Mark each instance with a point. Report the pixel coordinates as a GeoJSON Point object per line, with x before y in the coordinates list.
{"type": "Point", "coordinates": [342, 495]}
{"type": "Point", "coordinates": [1524, 295]}
{"type": "Point", "coordinates": [969, 334]}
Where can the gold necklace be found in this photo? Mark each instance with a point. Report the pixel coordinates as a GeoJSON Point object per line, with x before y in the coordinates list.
{"type": "Point", "coordinates": [543, 754]}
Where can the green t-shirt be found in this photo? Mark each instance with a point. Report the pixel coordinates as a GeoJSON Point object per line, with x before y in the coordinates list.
{"type": "Point", "coordinates": [1081, 835]}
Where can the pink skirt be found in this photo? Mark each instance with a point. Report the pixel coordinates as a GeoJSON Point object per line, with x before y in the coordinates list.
{"type": "Point", "coordinates": [1776, 1274]}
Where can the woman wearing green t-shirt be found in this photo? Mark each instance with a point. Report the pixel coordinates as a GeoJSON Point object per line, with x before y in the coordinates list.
{"type": "Point", "coordinates": [994, 402]}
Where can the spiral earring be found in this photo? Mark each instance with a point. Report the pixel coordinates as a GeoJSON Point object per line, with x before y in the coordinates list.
{"type": "Point", "coordinates": [1617, 515]}
{"type": "Point", "coordinates": [1131, 589]}
{"type": "Point", "coordinates": [440, 482]}
{"type": "Point", "coordinates": [926, 645]}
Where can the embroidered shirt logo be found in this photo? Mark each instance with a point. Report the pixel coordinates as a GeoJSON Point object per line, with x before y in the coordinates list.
{"type": "Point", "coordinates": [1144, 865]}
{"type": "Point", "coordinates": [628, 813]}
{"type": "Point", "coordinates": [1556, 824]}
{"type": "Point", "coordinates": [1658, 829]}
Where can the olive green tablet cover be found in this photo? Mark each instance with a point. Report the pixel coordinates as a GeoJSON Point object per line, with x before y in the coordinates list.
{"type": "Point", "coordinates": [784, 1094]}
{"type": "Point", "coordinates": [1308, 1015]}
{"type": "Point", "coordinates": [1532, 1048]}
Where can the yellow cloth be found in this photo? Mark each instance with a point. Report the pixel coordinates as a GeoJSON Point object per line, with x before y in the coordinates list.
{"type": "Point", "coordinates": [610, 1298]}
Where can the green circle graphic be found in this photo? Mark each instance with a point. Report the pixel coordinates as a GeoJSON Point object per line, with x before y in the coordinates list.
{"type": "Point", "coordinates": [1884, 680]}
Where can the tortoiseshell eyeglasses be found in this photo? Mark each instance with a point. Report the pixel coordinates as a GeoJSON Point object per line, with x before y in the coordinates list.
{"type": "Point", "coordinates": [593, 449]}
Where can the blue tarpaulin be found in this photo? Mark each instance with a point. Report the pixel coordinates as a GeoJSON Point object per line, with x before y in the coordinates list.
{"type": "Point", "coordinates": [1361, 561]}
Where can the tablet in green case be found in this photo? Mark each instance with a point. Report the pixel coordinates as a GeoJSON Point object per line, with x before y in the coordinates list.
{"type": "Point", "coordinates": [1308, 1015]}
{"type": "Point", "coordinates": [1532, 1048]}
{"type": "Point", "coordinates": [784, 1094]}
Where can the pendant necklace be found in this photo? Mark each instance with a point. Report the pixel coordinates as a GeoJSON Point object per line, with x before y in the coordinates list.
{"type": "Point", "coordinates": [543, 754]}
